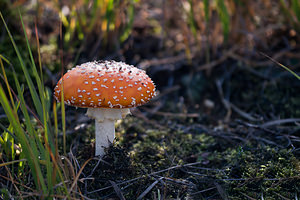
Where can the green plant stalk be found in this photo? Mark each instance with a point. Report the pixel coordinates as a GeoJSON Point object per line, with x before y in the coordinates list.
{"type": "Point", "coordinates": [55, 165]}
{"type": "Point", "coordinates": [39, 180]}
{"type": "Point", "coordinates": [12, 162]}
{"type": "Point", "coordinates": [286, 68]}
{"type": "Point", "coordinates": [207, 20]}
{"type": "Point", "coordinates": [40, 84]}
{"type": "Point", "coordinates": [225, 18]}
{"type": "Point", "coordinates": [191, 19]}
{"type": "Point", "coordinates": [109, 17]}
{"type": "Point", "coordinates": [7, 142]}
{"type": "Point", "coordinates": [281, 65]}
{"type": "Point", "coordinates": [41, 148]}
{"type": "Point", "coordinates": [95, 15]}
{"type": "Point", "coordinates": [45, 113]}
{"type": "Point", "coordinates": [9, 138]}
{"type": "Point", "coordinates": [296, 8]}
{"type": "Point", "coordinates": [289, 15]}
{"type": "Point", "coordinates": [34, 95]}
{"type": "Point", "coordinates": [33, 137]}
{"type": "Point", "coordinates": [28, 142]}
{"type": "Point", "coordinates": [55, 132]}
{"type": "Point", "coordinates": [55, 127]}
{"type": "Point", "coordinates": [44, 154]}
{"type": "Point", "coordinates": [6, 83]}
{"type": "Point", "coordinates": [32, 133]}
{"type": "Point", "coordinates": [3, 58]}
{"type": "Point", "coordinates": [26, 147]}
{"type": "Point", "coordinates": [48, 140]}
{"type": "Point", "coordinates": [109, 13]}
{"type": "Point", "coordinates": [39, 53]}
{"type": "Point", "coordinates": [128, 26]}
{"type": "Point", "coordinates": [8, 131]}
{"type": "Point", "coordinates": [63, 114]}
{"type": "Point", "coordinates": [9, 148]}
{"type": "Point", "coordinates": [206, 10]}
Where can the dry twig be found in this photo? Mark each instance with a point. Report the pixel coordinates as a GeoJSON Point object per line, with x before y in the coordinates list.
{"type": "Point", "coordinates": [117, 190]}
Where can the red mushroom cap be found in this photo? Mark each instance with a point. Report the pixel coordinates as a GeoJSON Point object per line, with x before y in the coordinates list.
{"type": "Point", "coordinates": [105, 84]}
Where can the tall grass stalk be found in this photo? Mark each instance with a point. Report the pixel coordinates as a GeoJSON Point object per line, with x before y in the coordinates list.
{"type": "Point", "coordinates": [224, 17]}
{"type": "Point", "coordinates": [296, 8]}
{"type": "Point", "coordinates": [63, 115]}
{"type": "Point", "coordinates": [291, 12]}
{"type": "Point", "coordinates": [7, 139]}
{"type": "Point", "coordinates": [37, 144]}
{"type": "Point", "coordinates": [281, 65]}
{"type": "Point", "coordinates": [207, 17]}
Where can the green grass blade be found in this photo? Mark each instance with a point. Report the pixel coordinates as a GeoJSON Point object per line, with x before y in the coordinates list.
{"type": "Point", "coordinates": [206, 10]}
{"type": "Point", "coordinates": [44, 152]}
{"type": "Point", "coordinates": [281, 65]}
{"type": "Point", "coordinates": [109, 15]}
{"type": "Point", "coordinates": [34, 138]}
{"type": "Point", "coordinates": [191, 20]}
{"type": "Point", "coordinates": [286, 68]}
{"type": "Point", "coordinates": [29, 143]}
{"type": "Point", "coordinates": [296, 8]}
{"type": "Point", "coordinates": [6, 82]}
{"type": "Point", "coordinates": [289, 15]}
{"type": "Point", "coordinates": [63, 119]}
{"type": "Point", "coordinates": [27, 150]}
{"type": "Point", "coordinates": [38, 49]}
{"type": "Point", "coordinates": [40, 84]}
{"type": "Point", "coordinates": [34, 94]}
{"type": "Point", "coordinates": [11, 162]}
{"type": "Point", "coordinates": [56, 147]}
{"type": "Point", "coordinates": [55, 124]}
{"type": "Point", "coordinates": [225, 18]}
{"type": "Point", "coordinates": [128, 27]}
{"type": "Point", "coordinates": [3, 58]}
{"type": "Point", "coordinates": [8, 140]}
{"type": "Point", "coordinates": [7, 143]}
{"type": "Point", "coordinates": [8, 131]}
{"type": "Point", "coordinates": [63, 114]}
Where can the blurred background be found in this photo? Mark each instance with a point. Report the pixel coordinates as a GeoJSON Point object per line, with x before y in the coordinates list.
{"type": "Point", "coordinates": [183, 45]}
{"type": "Point", "coordinates": [222, 88]}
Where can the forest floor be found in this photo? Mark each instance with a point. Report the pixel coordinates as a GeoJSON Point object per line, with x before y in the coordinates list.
{"type": "Point", "coordinates": [224, 129]}
{"type": "Point", "coordinates": [232, 133]}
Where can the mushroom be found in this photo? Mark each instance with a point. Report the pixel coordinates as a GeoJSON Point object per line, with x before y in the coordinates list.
{"type": "Point", "coordinates": [108, 89]}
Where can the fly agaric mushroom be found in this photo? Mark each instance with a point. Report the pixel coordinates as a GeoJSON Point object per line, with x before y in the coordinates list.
{"type": "Point", "coordinates": [108, 89]}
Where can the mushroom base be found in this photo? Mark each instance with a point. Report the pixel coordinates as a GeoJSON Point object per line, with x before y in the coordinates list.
{"type": "Point", "coordinates": [105, 126]}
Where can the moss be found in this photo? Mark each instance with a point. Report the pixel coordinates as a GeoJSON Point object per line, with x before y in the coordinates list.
{"type": "Point", "coordinates": [262, 171]}
{"type": "Point", "coordinates": [251, 170]}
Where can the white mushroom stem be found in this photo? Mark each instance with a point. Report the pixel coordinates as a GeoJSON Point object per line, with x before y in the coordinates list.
{"type": "Point", "coordinates": [105, 126]}
{"type": "Point", "coordinates": [105, 135]}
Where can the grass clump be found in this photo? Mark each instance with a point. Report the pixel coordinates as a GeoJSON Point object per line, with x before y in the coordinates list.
{"type": "Point", "coordinates": [31, 143]}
